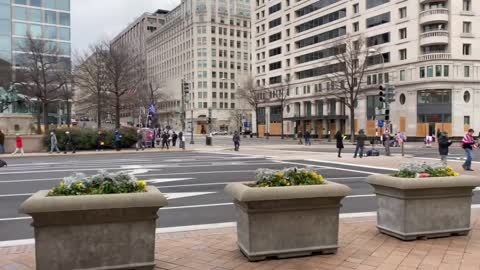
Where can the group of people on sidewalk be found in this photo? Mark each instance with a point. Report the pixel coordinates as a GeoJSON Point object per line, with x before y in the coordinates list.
{"type": "Point", "coordinates": [153, 137]}
{"type": "Point", "coordinates": [18, 144]}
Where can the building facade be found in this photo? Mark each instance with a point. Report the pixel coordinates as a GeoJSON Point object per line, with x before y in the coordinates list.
{"type": "Point", "coordinates": [428, 51]}
{"type": "Point", "coordinates": [206, 44]}
{"type": "Point", "coordinates": [134, 37]}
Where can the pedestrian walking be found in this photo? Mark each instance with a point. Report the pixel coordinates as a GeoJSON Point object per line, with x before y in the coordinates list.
{"type": "Point", "coordinates": [140, 142]}
{"type": "Point", "coordinates": [386, 142]}
{"type": "Point", "coordinates": [174, 139]}
{"type": "Point", "coordinates": [2, 142]}
{"type": "Point", "coordinates": [152, 139]}
{"type": "Point", "coordinates": [339, 138]}
{"type": "Point", "coordinates": [182, 140]}
{"type": "Point", "coordinates": [468, 143]}
{"type": "Point", "coordinates": [300, 136]}
{"type": "Point", "coordinates": [165, 137]}
{"type": "Point", "coordinates": [100, 141]}
{"type": "Point", "coordinates": [19, 145]}
{"type": "Point", "coordinates": [428, 141]}
{"type": "Point", "coordinates": [53, 143]}
{"type": "Point", "coordinates": [308, 138]}
{"type": "Point", "coordinates": [361, 138]}
{"type": "Point", "coordinates": [236, 141]}
{"type": "Point", "coordinates": [118, 140]}
{"type": "Point", "coordinates": [69, 143]}
{"type": "Point", "coordinates": [443, 144]}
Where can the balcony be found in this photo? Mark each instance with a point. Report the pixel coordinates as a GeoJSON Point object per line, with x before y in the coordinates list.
{"type": "Point", "coordinates": [429, 1]}
{"type": "Point", "coordinates": [434, 37]}
{"type": "Point", "coordinates": [434, 56]}
{"type": "Point", "coordinates": [434, 15]}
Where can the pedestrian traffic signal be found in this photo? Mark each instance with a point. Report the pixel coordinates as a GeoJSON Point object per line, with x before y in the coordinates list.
{"type": "Point", "coordinates": [387, 115]}
{"type": "Point", "coordinates": [381, 94]}
{"type": "Point", "coordinates": [186, 88]}
{"type": "Point", "coordinates": [209, 120]}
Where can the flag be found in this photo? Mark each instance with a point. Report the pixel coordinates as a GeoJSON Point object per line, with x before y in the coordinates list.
{"type": "Point", "coordinates": [152, 110]}
{"type": "Point", "coordinates": [131, 91]}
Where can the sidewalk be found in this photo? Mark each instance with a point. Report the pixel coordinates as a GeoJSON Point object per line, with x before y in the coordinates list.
{"type": "Point", "coordinates": [362, 247]}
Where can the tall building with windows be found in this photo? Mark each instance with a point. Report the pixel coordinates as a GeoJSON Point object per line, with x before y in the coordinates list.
{"type": "Point", "coordinates": [205, 43]}
{"type": "Point", "coordinates": [427, 49]}
{"type": "Point", "coordinates": [44, 19]}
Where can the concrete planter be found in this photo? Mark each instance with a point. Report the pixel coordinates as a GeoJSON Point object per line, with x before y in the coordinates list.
{"type": "Point", "coordinates": [287, 221]}
{"type": "Point", "coordinates": [423, 207]}
{"type": "Point", "coordinates": [95, 232]}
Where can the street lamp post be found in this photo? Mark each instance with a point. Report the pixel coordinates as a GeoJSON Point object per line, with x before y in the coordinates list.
{"type": "Point", "coordinates": [191, 127]}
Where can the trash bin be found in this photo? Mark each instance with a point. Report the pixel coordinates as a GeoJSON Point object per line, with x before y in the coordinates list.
{"type": "Point", "coordinates": [209, 140]}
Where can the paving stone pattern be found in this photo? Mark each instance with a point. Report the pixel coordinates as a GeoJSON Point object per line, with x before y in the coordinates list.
{"type": "Point", "coordinates": [362, 247]}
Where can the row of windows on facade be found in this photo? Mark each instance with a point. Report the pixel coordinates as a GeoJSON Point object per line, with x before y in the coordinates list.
{"type": "Point", "coordinates": [39, 31]}
{"type": "Point", "coordinates": [203, 52]}
{"type": "Point", "coordinates": [20, 45]}
{"type": "Point", "coordinates": [223, 42]}
{"type": "Point", "coordinates": [221, 105]}
{"type": "Point", "coordinates": [222, 31]}
{"type": "Point", "coordinates": [221, 85]}
{"type": "Point", "coordinates": [221, 95]}
{"type": "Point", "coordinates": [51, 4]}
{"type": "Point", "coordinates": [41, 16]}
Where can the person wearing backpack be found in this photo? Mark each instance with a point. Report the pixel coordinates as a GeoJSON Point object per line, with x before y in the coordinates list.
{"type": "Point", "coordinates": [468, 143]}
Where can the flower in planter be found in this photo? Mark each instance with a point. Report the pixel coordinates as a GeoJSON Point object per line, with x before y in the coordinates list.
{"type": "Point", "coordinates": [424, 170]}
{"type": "Point", "coordinates": [102, 183]}
{"type": "Point", "coordinates": [287, 177]}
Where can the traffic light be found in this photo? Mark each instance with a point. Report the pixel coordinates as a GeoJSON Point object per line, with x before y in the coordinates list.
{"type": "Point", "coordinates": [387, 115]}
{"type": "Point", "coordinates": [209, 120]}
{"type": "Point", "coordinates": [382, 94]}
{"type": "Point", "coordinates": [186, 88]}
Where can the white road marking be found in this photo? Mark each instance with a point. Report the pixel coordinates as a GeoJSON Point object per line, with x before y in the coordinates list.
{"type": "Point", "coordinates": [195, 206]}
{"type": "Point", "coordinates": [15, 218]}
{"type": "Point", "coordinates": [179, 195]}
{"type": "Point", "coordinates": [361, 196]}
{"type": "Point", "coordinates": [353, 165]}
{"type": "Point", "coordinates": [326, 167]}
{"type": "Point", "coordinates": [16, 195]}
{"type": "Point", "coordinates": [165, 180]}
{"type": "Point", "coordinates": [142, 166]}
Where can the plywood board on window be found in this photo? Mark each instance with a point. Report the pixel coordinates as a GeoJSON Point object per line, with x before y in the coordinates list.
{"type": "Point", "coordinates": [261, 131]}
{"type": "Point", "coordinates": [371, 125]}
{"type": "Point", "coordinates": [403, 124]}
{"type": "Point", "coordinates": [275, 129]}
{"type": "Point", "coordinates": [422, 129]}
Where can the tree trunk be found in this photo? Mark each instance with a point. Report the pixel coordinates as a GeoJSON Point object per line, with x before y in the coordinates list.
{"type": "Point", "coordinates": [69, 113]}
{"type": "Point", "coordinates": [45, 116]}
{"type": "Point", "coordinates": [39, 119]}
{"type": "Point", "coordinates": [99, 112]}
{"type": "Point", "coordinates": [352, 123]}
{"type": "Point", "coordinates": [256, 121]}
{"type": "Point", "coordinates": [117, 112]}
{"type": "Point", "coordinates": [281, 122]}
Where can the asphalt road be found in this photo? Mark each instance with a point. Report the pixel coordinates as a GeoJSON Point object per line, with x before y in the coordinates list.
{"type": "Point", "coordinates": [193, 183]}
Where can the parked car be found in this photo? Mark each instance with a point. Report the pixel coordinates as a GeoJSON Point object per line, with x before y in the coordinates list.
{"type": "Point", "coordinates": [220, 133]}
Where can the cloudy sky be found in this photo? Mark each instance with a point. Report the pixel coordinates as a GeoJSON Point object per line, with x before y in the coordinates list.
{"type": "Point", "coordinates": [93, 20]}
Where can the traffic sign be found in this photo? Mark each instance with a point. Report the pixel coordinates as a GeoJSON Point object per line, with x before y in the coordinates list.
{"type": "Point", "coordinates": [381, 123]}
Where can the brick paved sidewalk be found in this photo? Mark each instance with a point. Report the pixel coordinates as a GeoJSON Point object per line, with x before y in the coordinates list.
{"type": "Point", "coordinates": [362, 247]}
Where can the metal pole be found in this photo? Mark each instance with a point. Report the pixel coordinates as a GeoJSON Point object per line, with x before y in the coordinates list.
{"type": "Point", "coordinates": [191, 127]}
{"type": "Point", "coordinates": [183, 106]}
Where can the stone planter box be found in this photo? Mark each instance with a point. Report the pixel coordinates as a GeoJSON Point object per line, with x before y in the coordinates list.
{"type": "Point", "coordinates": [287, 221]}
{"type": "Point", "coordinates": [95, 232]}
{"type": "Point", "coordinates": [423, 207]}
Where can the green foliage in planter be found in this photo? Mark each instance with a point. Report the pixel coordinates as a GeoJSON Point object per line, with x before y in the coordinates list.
{"type": "Point", "coordinates": [86, 138]}
{"type": "Point", "coordinates": [287, 177]}
{"type": "Point", "coordinates": [102, 183]}
{"type": "Point", "coordinates": [413, 170]}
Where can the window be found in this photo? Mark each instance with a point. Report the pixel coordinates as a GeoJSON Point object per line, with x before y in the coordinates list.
{"type": "Point", "coordinates": [403, 33]}
{"type": "Point", "coordinates": [320, 54]}
{"type": "Point", "coordinates": [275, 37]}
{"type": "Point", "coordinates": [36, 30]}
{"type": "Point", "coordinates": [64, 33]}
{"type": "Point", "coordinates": [50, 32]}
{"type": "Point", "coordinates": [402, 99]}
{"type": "Point", "coordinates": [232, 105]}
{"type": "Point", "coordinates": [355, 9]}
{"type": "Point", "coordinates": [64, 18]}
{"type": "Point", "coordinates": [467, 5]}
{"type": "Point", "coordinates": [403, 54]}
{"type": "Point", "coordinates": [50, 17]}
{"type": "Point", "coordinates": [275, 51]}
{"type": "Point", "coordinates": [402, 12]}
{"type": "Point", "coordinates": [322, 37]}
{"type": "Point", "coordinates": [402, 75]}
{"type": "Point", "coordinates": [274, 8]}
{"type": "Point", "coordinates": [314, 6]}
{"type": "Point", "coordinates": [466, 71]}
{"type": "Point", "coordinates": [275, 23]}
{"type": "Point", "coordinates": [20, 13]}
{"type": "Point", "coordinates": [21, 2]}
{"type": "Point", "coordinates": [466, 120]}
{"type": "Point", "coordinates": [445, 71]}
{"type": "Point", "coordinates": [356, 27]}
{"type": "Point", "coordinates": [36, 3]}
{"type": "Point", "coordinates": [467, 27]}
{"type": "Point", "coordinates": [466, 96]}
{"type": "Point", "coordinates": [321, 20]}
{"type": "Point", "coordinates": [467, 49]}
{"type": "Point", "coordinates": [378, 39]}
{"type": "Point", "coordinates": [318, 71]}
{"type": "Point", "coordinates": [430, 71]}
{"type": "Point", "coordinates": [35, 15]}
{"type": "Point", "coordinates": [422, 72]}
{"type": "Point", "coordinates": [378, 59]}
{"type": "Point", "coordinates": [374, 3]}
{"type": "Point", "coordinates": [378, 20]}
{"type": "Point", "coordinates": [20, 29]}
{"type": "Point", "coordinates": [276, 79]}
{"type": "Point", "coordinates": [63, 5]}
{"type": "Point", "coordinates": [438, 71]}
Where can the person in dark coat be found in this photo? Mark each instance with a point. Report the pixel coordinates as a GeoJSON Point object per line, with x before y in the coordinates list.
{"type": "Point", "coordinates": [308, 138]}
{"type": "Point", "coordinates": [100, 141]}
{"type": "Point", "coordinates": [236, 141]}
{"type": "Point", "coordinates": [118, 140]}
{"type": "Point", "coordinates": [300, 136]}
{"type": "Point", "coordinates": [443, 144]}
{"type": "Point", "coordinates": [181, 140]}
{"type": "Point", "coordinates": [165, 137]}
{"type": "Point", "coordinates": [69, 143]}
{"type": "Point", "coordinates": [361, 138]}
{"type": "Point", "coordinates": [2, 142]}
{"type": "Point", "coordinates": [339, 138]}
{"type": "Point", "coordinates": [174, 139]}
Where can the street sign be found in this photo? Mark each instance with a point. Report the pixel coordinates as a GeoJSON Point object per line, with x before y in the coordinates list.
{"type": "Point", "coordinates": [381, 123]}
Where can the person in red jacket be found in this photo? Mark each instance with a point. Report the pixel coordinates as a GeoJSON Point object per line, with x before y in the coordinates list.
{"type": "Point", "coordinates": [19, 146]}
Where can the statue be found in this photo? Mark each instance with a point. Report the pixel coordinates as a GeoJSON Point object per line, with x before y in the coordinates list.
{"type": "Point", "coordinates": [11, 100]}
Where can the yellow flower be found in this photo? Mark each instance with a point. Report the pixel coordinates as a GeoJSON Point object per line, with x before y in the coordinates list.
{"type": "Point", "coordinates": [142, 184]}
{"type": "Point", "coordinates": [280, 174]}
{"type": "Point", "coordinates": [456, 174]}
{"type": "Point", "coordinates": [62, 185]}
{"type": "Point", "coordinates": [79, 185]}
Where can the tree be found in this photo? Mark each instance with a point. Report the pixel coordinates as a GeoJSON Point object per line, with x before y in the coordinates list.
{"type": "Point", "coordinates": [123, 74]}
{"type": "Point", "coordinates": [42, 74]}
{"type": "Point", "coordinates": [348, 72]}
{"type": "Point", "coordinates": [236, 117]}
{"type": "Point", "coordinates": [251, 93]}
{"type": "Point", "coordinates": [91, 79]}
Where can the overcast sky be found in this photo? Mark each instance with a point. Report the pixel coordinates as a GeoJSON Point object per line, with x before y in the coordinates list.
{"type": "Point", "coordinates": [93, 20]}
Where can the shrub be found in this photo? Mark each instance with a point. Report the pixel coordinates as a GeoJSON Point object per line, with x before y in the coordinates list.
{"type": "Point", "coordinates": [287, 177]}
{"type": "Point", "coordinates": [416, 170]}
{"type": "Point", "coordinates": [86, 138]}
{"type": "Point", "coordinates": [102, 183]}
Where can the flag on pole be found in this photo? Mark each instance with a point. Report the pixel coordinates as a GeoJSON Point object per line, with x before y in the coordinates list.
{"type": "Point", "coordinates": [152, 110]}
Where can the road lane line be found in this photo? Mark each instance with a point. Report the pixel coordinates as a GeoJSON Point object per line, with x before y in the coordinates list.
{"type": "Point", "coordinates": [195, 206]}
{"type": "Point", "coordinates": [16, 195]}
{"type": "Point", "coordinates": [353, 165]}
{"type": "Point", "coordinates": [326, 167]}
{"type": "Point", "coordinates": [15, 218]}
